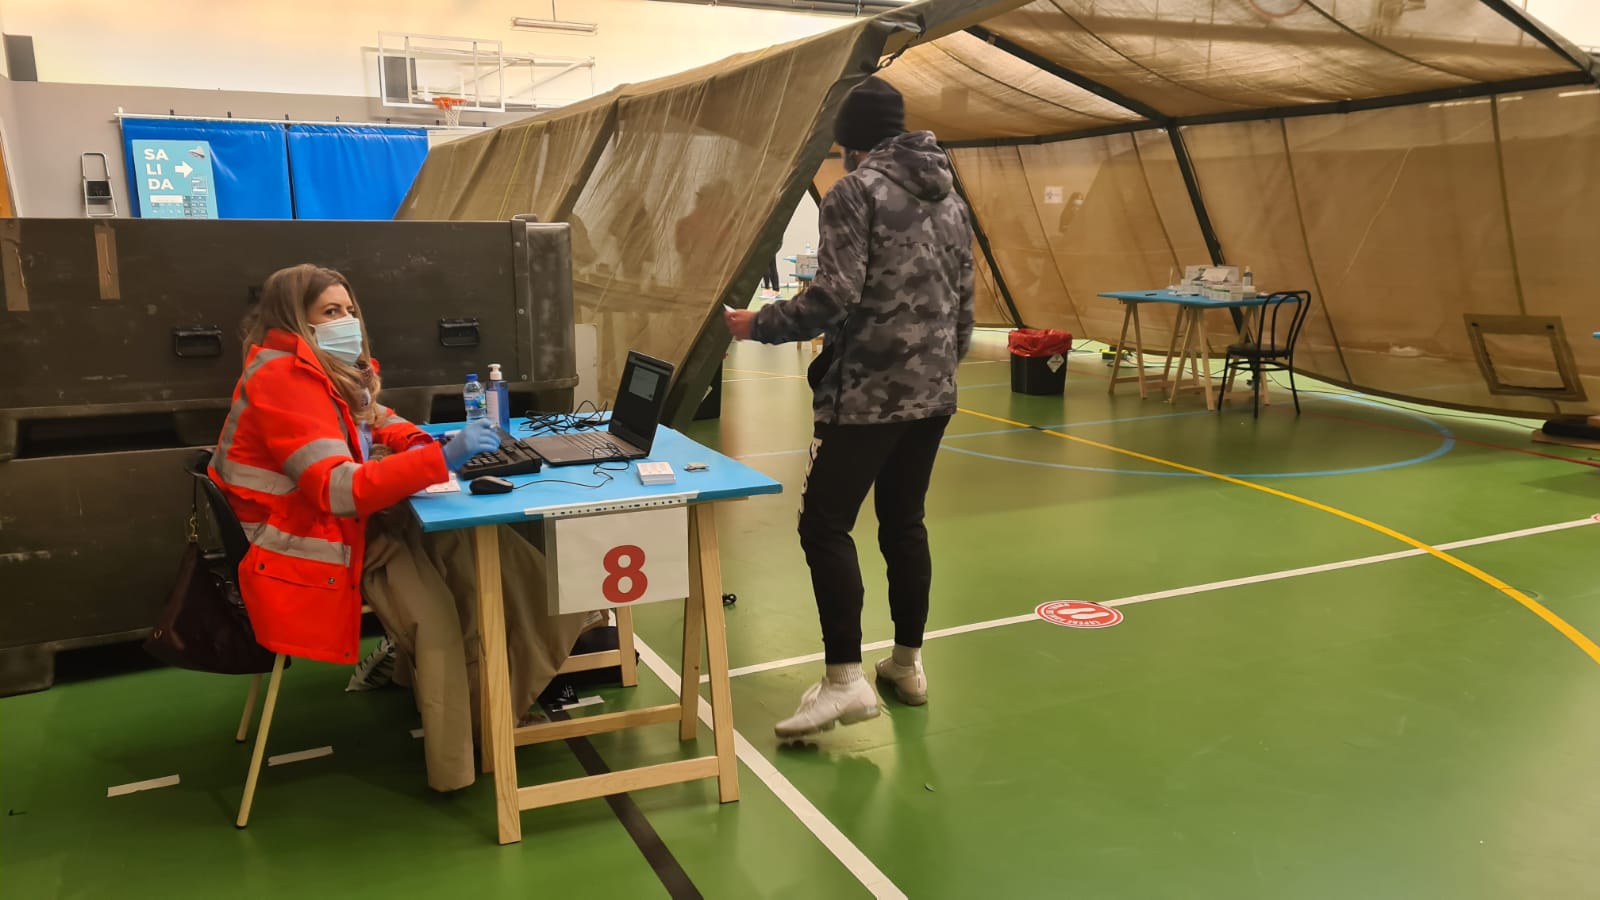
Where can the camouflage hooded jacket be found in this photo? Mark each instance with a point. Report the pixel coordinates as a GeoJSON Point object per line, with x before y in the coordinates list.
{"type": "Point", "coordinates": [893, 291]}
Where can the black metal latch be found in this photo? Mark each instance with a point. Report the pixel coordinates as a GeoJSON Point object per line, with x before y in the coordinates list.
{"type": "Point", "coordinates": [196, 341]}
{"type": "Point", "coordinates": [458, 332]}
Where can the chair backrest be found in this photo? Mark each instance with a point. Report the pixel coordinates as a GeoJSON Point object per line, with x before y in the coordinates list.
{"type": "Point", "coordinates": [234, 543]}
{"type": "Point", "coordinates": [1285, 315]}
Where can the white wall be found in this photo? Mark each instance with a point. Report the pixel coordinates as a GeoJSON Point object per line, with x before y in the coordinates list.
{"type": "Point", "coordinates": [1577, 20]}
{"type": "Point", "coordinates": [3, 63]}
{"type": "Point", "coordinates": [315, 46]}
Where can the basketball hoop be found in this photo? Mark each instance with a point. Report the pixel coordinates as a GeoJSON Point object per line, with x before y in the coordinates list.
{"type": "Point", "coordinates": [451, 107]}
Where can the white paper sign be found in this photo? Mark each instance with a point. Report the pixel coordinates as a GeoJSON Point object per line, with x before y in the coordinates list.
{"type": "Point", "coordinates": [1054, 195]}
{"type": "Point", "coordinates": [619, 559]}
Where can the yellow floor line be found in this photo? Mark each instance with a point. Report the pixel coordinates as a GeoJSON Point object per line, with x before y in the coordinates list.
{"type": "Point", "coordinates": [1572, 634]}
{"type": "Point", "coordinates": [1559, 624]}
{"type": "Point", "coordinates": [767, 374]}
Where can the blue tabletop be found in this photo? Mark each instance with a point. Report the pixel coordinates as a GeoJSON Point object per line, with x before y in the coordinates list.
{"type": "Point", "coordinates": [1165, 296]}
{"type": "Point", "coordinates": [724, 479]}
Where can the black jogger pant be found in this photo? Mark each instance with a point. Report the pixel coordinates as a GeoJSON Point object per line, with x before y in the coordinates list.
{"type": "Point", "coordinates": [896, 460]}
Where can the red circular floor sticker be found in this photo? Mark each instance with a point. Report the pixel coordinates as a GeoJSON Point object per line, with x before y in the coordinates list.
{"type": "Point", "coordinates": [1078, 614]}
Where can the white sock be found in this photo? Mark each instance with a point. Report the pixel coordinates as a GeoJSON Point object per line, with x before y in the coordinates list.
{"type": "Point", "coordinates": [844, 673]}
{"type": "Point", "coordinates": [906, 656]}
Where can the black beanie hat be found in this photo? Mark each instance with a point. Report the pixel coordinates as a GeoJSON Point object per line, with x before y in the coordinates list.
{"type": "Point", "coordinates": [870, 115]}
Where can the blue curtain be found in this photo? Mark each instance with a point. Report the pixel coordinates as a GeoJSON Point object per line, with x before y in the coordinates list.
{"type": "Point", "coordinates": [353, 172]}
{"type": "Point", "coordinates": [249, 162]}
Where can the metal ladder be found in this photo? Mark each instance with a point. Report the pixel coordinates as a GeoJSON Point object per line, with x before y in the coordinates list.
{"type": "Point", "coordinates": [98, 201]}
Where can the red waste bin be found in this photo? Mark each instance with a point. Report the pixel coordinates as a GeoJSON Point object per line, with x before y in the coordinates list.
{"type": "Point", "coordinates": [1039, 360]}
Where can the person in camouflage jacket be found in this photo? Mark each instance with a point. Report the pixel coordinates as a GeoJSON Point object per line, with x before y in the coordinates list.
{"type": "Point", "coordinates": [892, 298]}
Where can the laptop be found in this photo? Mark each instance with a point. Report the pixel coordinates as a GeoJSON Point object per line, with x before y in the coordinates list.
{"type": "Point", "coordinates": [632, 428]}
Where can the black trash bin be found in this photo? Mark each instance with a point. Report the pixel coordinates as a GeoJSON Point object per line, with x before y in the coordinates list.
{"type": "Point", "coordinates": [1039, 361]}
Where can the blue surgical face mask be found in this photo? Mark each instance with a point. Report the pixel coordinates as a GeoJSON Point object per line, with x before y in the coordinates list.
{"type": "Point", "coordinates": [340, 339]}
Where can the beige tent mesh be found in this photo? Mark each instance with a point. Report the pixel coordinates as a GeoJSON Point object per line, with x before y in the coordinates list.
{"type": "Point", "coordinates": [1432, 197]}
{"type": "Point", "coordinates": [961, 88]}
{"type": "Point", "coordinates": [1187, 57]}
{"type": "Point", "coordinates": [689, 171]}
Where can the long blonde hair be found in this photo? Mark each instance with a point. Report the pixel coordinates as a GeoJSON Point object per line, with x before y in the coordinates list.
{"type": "Point", "coordinates": [285, 299]}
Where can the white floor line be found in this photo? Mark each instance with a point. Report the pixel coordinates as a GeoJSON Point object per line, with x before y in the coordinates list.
{"type": "Point", "coordinates": [585, 701]}
{"type": "Point", "coordinates": [848, 854]}
{"type": "Point", "coordinates": [135, 787]}
{"type": "Point", "coordinates": [1186, 591]}
{"type": "Point", "coordinates": [284, 759]}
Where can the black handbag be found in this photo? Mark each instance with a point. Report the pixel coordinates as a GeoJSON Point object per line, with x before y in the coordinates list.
{"type": "Point", "coordinates": [204, 626]}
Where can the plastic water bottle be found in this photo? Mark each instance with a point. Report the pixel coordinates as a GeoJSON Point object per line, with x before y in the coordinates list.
{"type": "Point", "coordinates": [472, 397]}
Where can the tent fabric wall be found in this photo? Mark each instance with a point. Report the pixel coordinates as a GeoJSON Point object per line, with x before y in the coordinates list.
{"type": "Point", "coordinates": [666, 185]}
{"type": "Point", "coordinates": [686, 168]}
{"type": "Point", "coordinates": [1413, 167]}
{"type": "Point", "coordinates": [526, 168]}
{"type": "Point", "coordinates": [962, 88]}
{"type": "Point", "coordinates": [1189, 57]}
{"type": "Point", "coordinates": [352, 172]}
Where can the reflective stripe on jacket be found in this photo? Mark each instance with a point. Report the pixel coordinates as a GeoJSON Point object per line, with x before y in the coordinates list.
{"type": "Point", "coordinates": [289, 463]}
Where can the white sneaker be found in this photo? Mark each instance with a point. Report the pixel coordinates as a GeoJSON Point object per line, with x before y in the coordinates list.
{"type": "Point", "coordinates": [910, 685]}
{"type": "Point", "coordinates": [829, 703]}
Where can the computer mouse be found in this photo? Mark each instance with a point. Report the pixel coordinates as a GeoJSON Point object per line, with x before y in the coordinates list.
{"type": "Point", "coordinates": [490, 484]}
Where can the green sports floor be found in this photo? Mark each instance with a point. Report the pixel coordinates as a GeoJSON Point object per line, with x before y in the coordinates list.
{"type": "Point", "coordinates": [1353, 668]}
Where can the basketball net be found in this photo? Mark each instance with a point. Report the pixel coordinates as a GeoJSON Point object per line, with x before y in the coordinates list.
{"type": "Point", "coordinates": [451, 107]}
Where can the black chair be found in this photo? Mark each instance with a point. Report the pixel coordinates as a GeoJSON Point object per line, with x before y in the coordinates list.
{"type": "Point", "coordinates": [1272, 349]}
{"type": "Point", "coordinates": [234, 546]}
{"type": "Point", "coordinates": [234, 543]}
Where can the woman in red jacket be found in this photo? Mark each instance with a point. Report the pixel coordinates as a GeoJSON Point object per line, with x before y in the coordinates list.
{"type": "Point", "coordinates": [309, 460]}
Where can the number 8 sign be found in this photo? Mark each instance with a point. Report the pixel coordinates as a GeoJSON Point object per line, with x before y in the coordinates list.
{"type": "Point", "coordinates": [618, 559]}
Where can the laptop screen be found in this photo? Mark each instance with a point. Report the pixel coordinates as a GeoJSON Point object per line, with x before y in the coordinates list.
{"type": "Point", "coordinates": [640, 399]}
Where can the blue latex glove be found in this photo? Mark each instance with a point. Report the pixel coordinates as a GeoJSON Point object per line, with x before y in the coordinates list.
{"type": "Point", "coordinates": [477, 437]}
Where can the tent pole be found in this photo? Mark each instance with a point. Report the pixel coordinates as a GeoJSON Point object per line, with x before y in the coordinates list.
{"type": "Point", "coordinates": [1549, 39]}
{"type": "Point", "coordinates": [1104, 92]}
{"type": "Point", "coordinates": [704, 357]}
{"type": "Point", "coordinates": [982, 238]}
{"type": "Point", "coordinates": [1192, 182]}
{"type": "Point", "coordinates": [1201, 215]}
{"type": "Point", "coordinates": [580, 179]}
{"type": "Point", "coordinates": [1331, 108]}
{"type": "Point", "coordinates": [1156, 116]}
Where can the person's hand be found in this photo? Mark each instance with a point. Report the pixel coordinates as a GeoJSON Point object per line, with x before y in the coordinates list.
{"type": "Point", "coordinates": [740, 321]}
{"type": "Point", "coordinates": [477, 437]}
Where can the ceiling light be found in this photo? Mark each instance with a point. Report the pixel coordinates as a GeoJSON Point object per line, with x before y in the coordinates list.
{"type": "Point", "coordinates": [554, 25]}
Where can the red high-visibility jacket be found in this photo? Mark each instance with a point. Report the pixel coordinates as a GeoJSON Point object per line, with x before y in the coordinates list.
{"type": "Point", "coordinates": [289, 462]}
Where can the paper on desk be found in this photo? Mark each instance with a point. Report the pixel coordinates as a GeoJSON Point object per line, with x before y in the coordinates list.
{"type": "Point", "coordinates": [452, 486]}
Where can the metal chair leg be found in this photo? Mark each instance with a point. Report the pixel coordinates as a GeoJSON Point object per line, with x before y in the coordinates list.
{"type": "Point", "coordinates": [1255, 390]}
{"type": "Point", "coordinates": [1293, 392]}
{"type": "Point", "coordinates": [249, 710]}
{"type": "Point", "coordinates": [261, 742]}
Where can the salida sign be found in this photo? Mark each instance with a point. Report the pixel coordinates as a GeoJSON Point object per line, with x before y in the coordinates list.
{"type": "Point", "coordinates": [175, 180]}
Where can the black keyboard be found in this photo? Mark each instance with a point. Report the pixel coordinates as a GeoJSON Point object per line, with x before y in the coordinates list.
{"type": "Point", "coordinates": [513, 458]}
